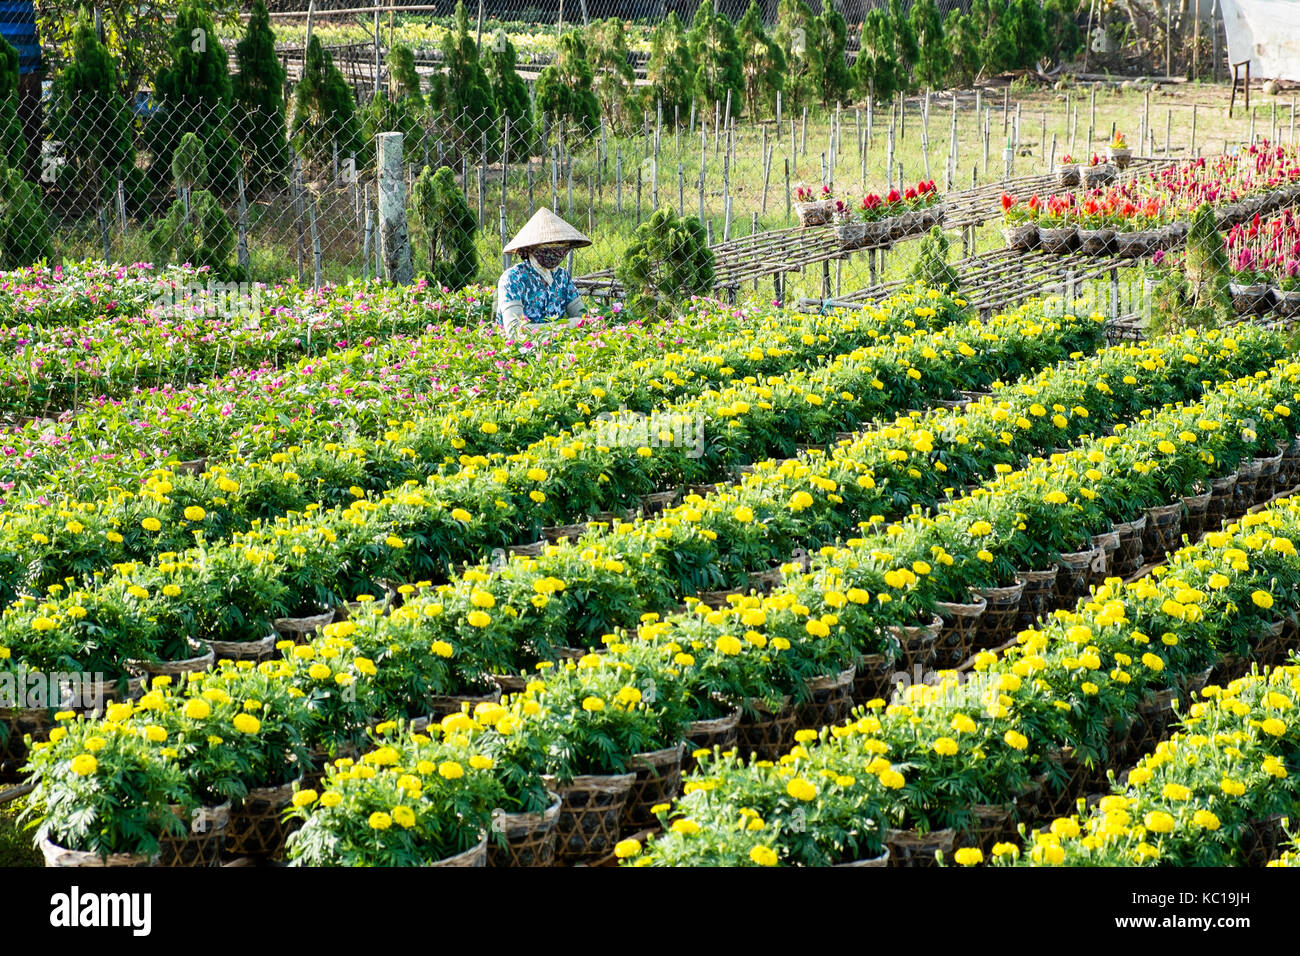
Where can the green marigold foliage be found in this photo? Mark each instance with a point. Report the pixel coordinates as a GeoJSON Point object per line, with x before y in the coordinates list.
{"type": "Point", "coordinates": [446, 227]}
{"type": "Point", "coordinates": [668, 260]}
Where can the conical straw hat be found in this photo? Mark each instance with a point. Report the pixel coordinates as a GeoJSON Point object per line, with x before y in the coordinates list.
{"type": "Point", "coordinates": [545, 227]}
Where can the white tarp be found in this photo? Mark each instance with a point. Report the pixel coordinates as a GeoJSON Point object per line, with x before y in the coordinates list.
{"type": "Point", "coordinates": [1265, 32]}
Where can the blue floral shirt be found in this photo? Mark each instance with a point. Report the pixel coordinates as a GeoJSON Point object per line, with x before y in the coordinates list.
{"type": "Point", "coordinates": [541, 302]}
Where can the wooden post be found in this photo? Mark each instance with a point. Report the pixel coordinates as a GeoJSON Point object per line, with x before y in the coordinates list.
{"type": "Point", "coordinates": [315, 244]}
{"type": "Point", "coordinates": [241, 255]}
{"type": "Point", "coordinates": [1169, 127]}
{"type": "Point", "coordinates": [681, 190]}
{"type": "Point", "coordinates": [1006, 109]}
{"type": "Point", "coordinates": [618, 180]}
{"type": "Point", "coordinates": [1192, 147]}
{"type": "Point", "coordinates": [803, 134]}
{"type": "Point", "coordinates": [1092, 116]}
{"type": "Point", "coordinates": [925, 134]}
{"type": "Point", "coordinates": [367, 235]}
{"type": "Point", "coordinates": [787, 189]}
{"type": "Point", "coordinates": [767, 175]}
{"type": "Point", "coordinates": [394, 238]}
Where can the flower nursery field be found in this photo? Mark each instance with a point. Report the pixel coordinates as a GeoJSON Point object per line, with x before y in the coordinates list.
{"type": "Point", "coordinates": [348, 580]}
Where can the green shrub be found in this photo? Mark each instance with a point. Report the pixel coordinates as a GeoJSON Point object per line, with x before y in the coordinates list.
{"type": "Point", "coordinates": [13, 145]}
{"type": "Point", "coordinates": [670, 70]}
{"type": "Point", "coordinates": [762, 63]}
{"type": "Point", "coordinates": [324, 114]}
{"type": "Point", "coordinates": [832, 39]}
{"type": "Point", "coordinates": [462, 95]}
{"type": "Point", "coordinates": [24, 226]}
{"type": "Point", "coordinates": [933, 59]}
{"type": "Point", "coordinates": [795, 22]}
{"type": "Point", "coordinates": [258, 112]}
{"type": "Point", "coordinates": [931, 268]}
{"type": "Point", "coordinates": [669, 259]}
{"type": "Point", "coordinates": [717, 60]}
{"type": "Point", "coordinates": [511, 95]}
{"type": "Point", "coordinates": [564, 89]}
{"type": "Point", "coordinates": [444, 225]}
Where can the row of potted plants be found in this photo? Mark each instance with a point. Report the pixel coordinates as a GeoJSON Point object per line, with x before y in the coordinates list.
{"type": "Point", "coordinates": [324, 556]}
{"type": "Point", "coordinates": [875, 219]}
{"type": "Point", "coordinates": [1264, 256]}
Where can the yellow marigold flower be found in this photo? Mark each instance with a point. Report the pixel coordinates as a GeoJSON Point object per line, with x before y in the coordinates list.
{"type": "Point", "coordinates": [84, 765]}
{"type": "Point", "coordinates": [801, 789]}
{"type": "Point", "coordinates": [195, 513]}
{"type": "Point", "coordinates": [480, 762]}
{"type": "Point", "coordinates": [151, 524]}
{"type": "Point", "coordinates": [592, 704]}
{"type": "Point", "coordinates": [1157, 821]}
{"type": "Point", "coordinates": [1273, 727]}
{"type": "Point", "coordinates": [247, 723]}
{"type": "Point", "coordinates": [196, 709]}
{"type": "Point", "coordinates": [451, 770]}
{"type": "Point", "coordinates": [1015, 740]}
{"type": "Point", "coordinates": [380, 821]}
{"type": "Point", "coordinates": [729, 645]}
{"type": "Point", "coordinates": [304, 798]}
{"type": "Point", "coordinates": [763, 855]}
{"type": "Point", "coordinates": [404, 816]}
{"type": "Point", "coordinates": [1205, 819]}
{"type": "Point", "coordinates": [968, 856]}
{"type": "Point", "coordinates": [945, 746]}
{"type": "Point", "coordinates": [625, 849]}
{"type": "Point", "coordinates": [478, 618]}
{"type": "Point", "coordinates": [442, 648]}
{"type": "Point", "coordinates": [331, 798]}
{"type": "Point", "coordinates": [1176, 791]}
{"type": "Point", "coordinates": [686, 827]}
{"type": "Point", "coordinates": [1262, 599]}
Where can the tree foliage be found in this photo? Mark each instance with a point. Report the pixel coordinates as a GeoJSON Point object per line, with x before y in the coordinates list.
{"type": "Point", "coordinates": [669, 259]}
{"type": "Point", "coordinates": [717, 59]}
{"type": "Point", "coordinates": [258, 110]}
{"type": "Point", "coordinates": [404, 79]}
{"type": "Point", "coordinates": [795, 34]}
{"type": "Point", "coordinates": [670, 70]}
{"type": "Point", "coordinates": [614, 78]}
{"type": "Point", "coordinates": [511, 95]}
{"type": "Point", "coordinates": [762, 63]}
{"type": "Point", "coordinates": [879, 69]}
{"type": "Point", "coordinates": [462, 93]}
{"type": "Point", "coordinates": [324, 114]}
{"type": "Point", "coordinates": [195, 229]}
{"type": "Point", "coordinates": [933, 59]}
{"type": "Point", "coordinates": [24, 226]}
{"type": "Point", "coordinates": [962, 42]}
{"type": "Point", "coordinates": [13, 145]}
{"type": "Point", "coordinates": [445, 226]}
{"type": "Point", "coordinates": [832, 40]}
{"type": "Point", "coordinates": [931, 268]}
{"type": "Point", "coordinates": [564, 89]}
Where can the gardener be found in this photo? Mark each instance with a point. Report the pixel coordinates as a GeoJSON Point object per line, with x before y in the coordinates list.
{"type": "Point", "coordinates": [537, 296]}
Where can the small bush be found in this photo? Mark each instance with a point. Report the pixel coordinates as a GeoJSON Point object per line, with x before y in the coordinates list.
{"type": "Point", "coordinates": [668, 260]}
{"type": "Point", "coordinates": [446, 227]}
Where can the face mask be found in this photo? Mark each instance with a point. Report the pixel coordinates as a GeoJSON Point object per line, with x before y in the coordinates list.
{"type": "Point", "coordinates": [549, 258]}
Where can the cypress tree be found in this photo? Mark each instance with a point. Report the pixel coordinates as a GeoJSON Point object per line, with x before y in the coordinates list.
{"type": "Point", "coordinates": [24, 226]}
{"type": "Point", "coordinates": [196, 229]}
{"type": "Point", "coordinates": [904, 43]}
{"type": "Point", "coordinates": [324, 114]}
{"type": "Point", "coordinates": [933, 59]}
{"type": "Point", "coordinates": [511, 95]}
{"type": "Point", "coordinates": [671, 70]}
{"type": "Point", "coordinates": [463, 94]}
{"type": "Point", "coordinates": [89, 114]}
{"type": "Point", "coordinates": [564, 89]}
{"type": "Point", "coordinates": [194, 95]}
{"type": "Point", "coordinates": [717, 59]}
{"type": "Point", "coordinates": [962, 42]}
{"type": "Point", "coordinates": [669, 259]}
{"type": "Point", "coordinates": [796, 35]}
{"type": "Point", "coordinates": [614, 77]}
{"type": "Point", "coordinates": [445, 225]}
{"type": "Point", "coordinates": [1062, 31]}
{"type": "Point", "coordinates": [13, 145]}
{"type": "Point", "coordinates": [762, 63]}
{"type": "Point", "coordinates": [1025, 23]}
{"type": "Point", "coordinates": [997, 47]}
{"type": "Point", "coordinates": [259, 118]}
{"type": "Point", "coordinates": [878, 67]}
{"type": "Point", "coordinates": [833, 34]}
{"type": "Point", "coordinates": [404, 76]}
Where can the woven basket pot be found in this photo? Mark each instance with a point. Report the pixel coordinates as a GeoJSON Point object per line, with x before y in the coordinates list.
{"type": "Point", "coordinates": [105, 691]}
{"type": "Point", "coordinates": [1058, 240]}
{"type": "Point", "coordinates": [441, 705]}
{"type": "Point", "coordinates": [1021, 237]}
{"type": "Point", "coordinates": [1190, 685]}
{"type": "Point", "coordinates": [658, 502]}
{"type": "Point", "coordinates": [195, 466]}
{"type": "Point", "coordinates": [1067, 174]}
{"type": "Point", "coordinates": [910, 848]}
{"type": "Point", "coordinates": [1164, 531]}
{"type": "Point", "coordinates": [719, 733]}
{"type": "Point", "coordinates": [1039, 597]}
{"type": "Point", "coordinates": [534, 549]}
{"type": "Point", "coordinates": [766, 580]}
{"type": "Point", "coordinates": [590, 813]}
{"type": "Point", "coordinates": [767, 734]}
{"type": "Point", "coordinates": [1107, 543]}
{"type": "Point", "coordinates": [257, 826]}
{"type": "Point", "coordinates": [917, 645]}
{"type": "Point", "coordinates": [1129, 557]}
{"type": "Point", "coordinates": [992, 824]}
{"type": "Point", "coordinates": [719, 599]}
{"type": "Point", "coordinates": [1286, 302]}
{"type": "Point", "coordinates": [882, 860]}
{"type": "Point", "coordinates": [300, 630]}
{"type": "Point", "coordinates": [511, 683]}
{"type": "Point", "coordinates": [1060, 801]}
{"type": "Point", "coordinates": [1120, 157]}
{"type": "Point", "coordinates": [59, 856]}
{"type": "Point", "coordinates": [201, 844]}
{"type": "Point", "coordinates": [1197, 506]}
{"type": "Point", "coordinates": [816, 213]}
{"type": "Point", "coordinates": [1151, 721]}
{"type": "Point", "coordinates": [1271, 644]}
{"type": "Point", "coordinates": [1253, 299]}
{"type": "Point", "coordinates": [16, 723]}
{"type": "Point", "coordinates": [1099, 175]}
{"type": "Point", "coordinates": [1263, 840]}
{"type": "Point", "coordinates": [851, 235]}
{"type": "Point", "coordinates": [871, 678]}
{"type": "Point", "coordinates": [259, 651]}
{"type": "Point", "coordinates": [1222, 492]}
{"type": "Point", "coordinates": [529, 837]}
{"type": "Point", "coordinates": [201, 660]}
{"type": "Point", "coordinates": [1073, 575]}
{"type": "Point", "coordinates": [1267, 485]}
{"type": "Point", "coordinates": [1290, 471]}
{"type": "Point", "coordinates": [1097, 242]}
{"type": "Point", "coordinates": [475, 856]}
{"type": "Point", "coordinates": [555, 533]}
{"type": "Point", "coordinates": [1244, 493]}
{"type": "Point", "coordinates": [658, 780]}
{"type": "Point", "coordinates": [998, 621]}
{"type": "Point", "coordinates": [960, 626]}
{"type": "Point", "coordinates": [829, 700]}
{"type": "Point", "coordinates": [1137, 243]}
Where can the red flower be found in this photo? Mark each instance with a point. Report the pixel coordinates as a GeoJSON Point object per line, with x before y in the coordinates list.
{"type": "Point", "coordinates": [1007, 201]}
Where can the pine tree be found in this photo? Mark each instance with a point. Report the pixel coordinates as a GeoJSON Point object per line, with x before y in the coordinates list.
{"type": "Point", "coordinates": [325, 115]}
{"type": "Point", "coordinates": [669, 259]}
{"type": "Point", "coordinates": [904, 43]}
{"type": "Point", "coordinates": [391, 115]}
{"type": "Point", "coordinates": [194, 95]}
{"type": "Point", "coordinates": [933, 59]}
{"type": "Point", "coordinates": [445, 225]}
{"type": "Point", "coordinates": [13, 145]}
{"type": "Point", "coordinates": [1064, 39]}
{"type": "Point", "coordinates": [1025, 23]}
{"type": "Point", "coordinates": [878, 68]}
{"type": "Point", "coordinates": [258, 114]}
{"type": "Point", "coordinates": [795, 34]}
{"type": "Point", "coordinates": [997, 47]}
{"type": "Point", "coordinates": [962, 41]}
{"type": "Point", "coordinates": [463, 94]}
{"type": "Point", "coordinates": [564, 89]}
{"type": "Point", "coordinates": [671, 71]}
{"type": "Point", "coordinates": [404, 78]}
{"type": "Point", "coordinates": [718, 73]}
{"type": "Point", "coordinates": [931, 268]}
{"type": "Point", "coordinates": [762, 63]}
{"type": "Point", "coordinates": [833, 33]}
{"type": "Point", "coordinates": [89, 114]}
{"type": "Point", "coordinates": [511, 96]}
{"type": "Point", "coordinates": [196, 229]}
{"type": "Point", "coordinates": [614, 77]}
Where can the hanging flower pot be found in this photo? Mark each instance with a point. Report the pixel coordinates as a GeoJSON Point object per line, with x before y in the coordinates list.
{"type": "Point", "coordinates": [1058, 240]}
{"type": "Point", "coordinates": [960, 627]}
{"type": "Point", "coordinates": [1038, 598]}
{"type": "Point", "coordinates": [910, 848]}
{"type": "Point", "coordinates": [1021, 237]}
{"type": "Point", "coordinates": [257, 826]}
{"type": "Point", "coordinates": [1120, 156]}
{"type": "Point", "coordinates": [1286, 302]}
{"type": "Point", "coordinates": [1106, 543]}
{"type": "Point", "coordinates": [534, 549]}
{"type": "Point", "coordinates": [658, 780]}
{"type": "Point", "coordinates": [1244, 494]}
{"type": "Point", "coordinates": [719, 732]}
{"type": "Point", "coordinates": [205, 830]}
{"type": "Point", "coordinates": [591, 810]}
{"type": "Point", "coordinates": [1136, 243]}
{"type": "Point", "coordinates": [440, 705]}
{"type": "Point", "coordinates": [766, 733]}
{"type": "Point", "coordinates": [1163, 533]}
{"type": "Point", "coordinates": [246, 650]}
{"type": "Point", "coordinates": [658, 502]}
{"type": "Point", "coordinates": [1222, 492]}
{"type": "Point", "coordinates": [1067, 174]}
{"type": "Point", "coordinates": [529, 837]}
{"type": "Point", "coordinates": [18, 723]}
{"type": "Point", "coordinates": [1269, 469]}
{"type": "Point", "coordinates": [876, 861]}
{"type": "Point", "coordinates": [1096, 242]}
{"type": "Point", "coordinates": [871, 677]}
{"type": "Point", "coordinates": [851, 235]}
{"type": "Point", "coordinates": [1252, 298]}
{"type": "Point", "coordinates": [1099, 175]}
{"type": "Point", "coordinates": [815, 213]}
